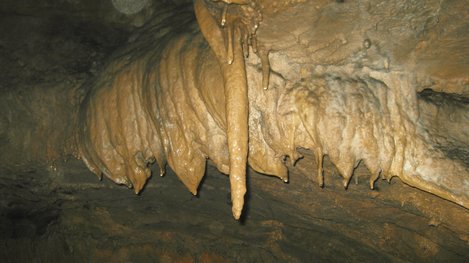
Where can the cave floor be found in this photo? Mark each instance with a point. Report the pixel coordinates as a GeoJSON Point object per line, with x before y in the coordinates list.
{"type": "Point", "coordinates": [65, 214]}
{"type": "Point", "coordinates": [72, 216]}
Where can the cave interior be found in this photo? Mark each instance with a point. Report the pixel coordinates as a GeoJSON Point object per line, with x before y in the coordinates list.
{"type": "Point", "coordinates": [55, 54]}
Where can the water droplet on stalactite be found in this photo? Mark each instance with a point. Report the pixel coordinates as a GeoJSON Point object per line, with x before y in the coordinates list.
{"type": "Point", "coordinates": [223, 16]}
{"type": "Point", "coordinates": [346, 182]}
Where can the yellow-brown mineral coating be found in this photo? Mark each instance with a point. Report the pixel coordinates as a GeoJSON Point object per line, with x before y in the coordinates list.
{"type": "Point", "coordinates": [231, 60]}
{"type": "Point", "coordinates": [174, 104]}
{"type": "Point", "coordinates": [354, 119]}
{"type": "Point", "coordinates": [174, 98]}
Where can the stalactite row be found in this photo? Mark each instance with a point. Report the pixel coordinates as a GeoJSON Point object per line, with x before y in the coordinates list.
{"type": "Point", "coordinates": [182, 94]}
{"type": "Point", "coordinates": [369, 117]}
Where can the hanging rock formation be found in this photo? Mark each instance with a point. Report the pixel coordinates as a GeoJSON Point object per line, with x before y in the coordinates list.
{"type": "Point", "coordinates": [188, 89]}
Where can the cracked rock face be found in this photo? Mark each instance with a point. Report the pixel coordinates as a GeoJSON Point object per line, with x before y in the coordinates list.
{"type": "Point", "coordinates": [375, 89]}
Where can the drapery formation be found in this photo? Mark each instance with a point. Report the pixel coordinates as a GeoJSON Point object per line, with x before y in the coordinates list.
{"type": "Point", "coordinates": [187, 90]}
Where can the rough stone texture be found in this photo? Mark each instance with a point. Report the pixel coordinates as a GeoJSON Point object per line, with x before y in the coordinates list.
{"type": "Point", "coordinates": [63, 213]}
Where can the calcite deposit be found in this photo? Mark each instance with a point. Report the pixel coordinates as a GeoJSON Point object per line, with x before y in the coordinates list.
{"type": "Point", "coordinates": [238, 85]}
{"type": "Point", "coordinates": [338, 94]}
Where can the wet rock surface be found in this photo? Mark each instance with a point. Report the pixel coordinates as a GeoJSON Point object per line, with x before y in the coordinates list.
{"type": "Point", "coordinates": [56, 211]}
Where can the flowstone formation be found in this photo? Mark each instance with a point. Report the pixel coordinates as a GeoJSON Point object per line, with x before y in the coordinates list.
{"type": "Point", "coordinates": [230, 86]}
